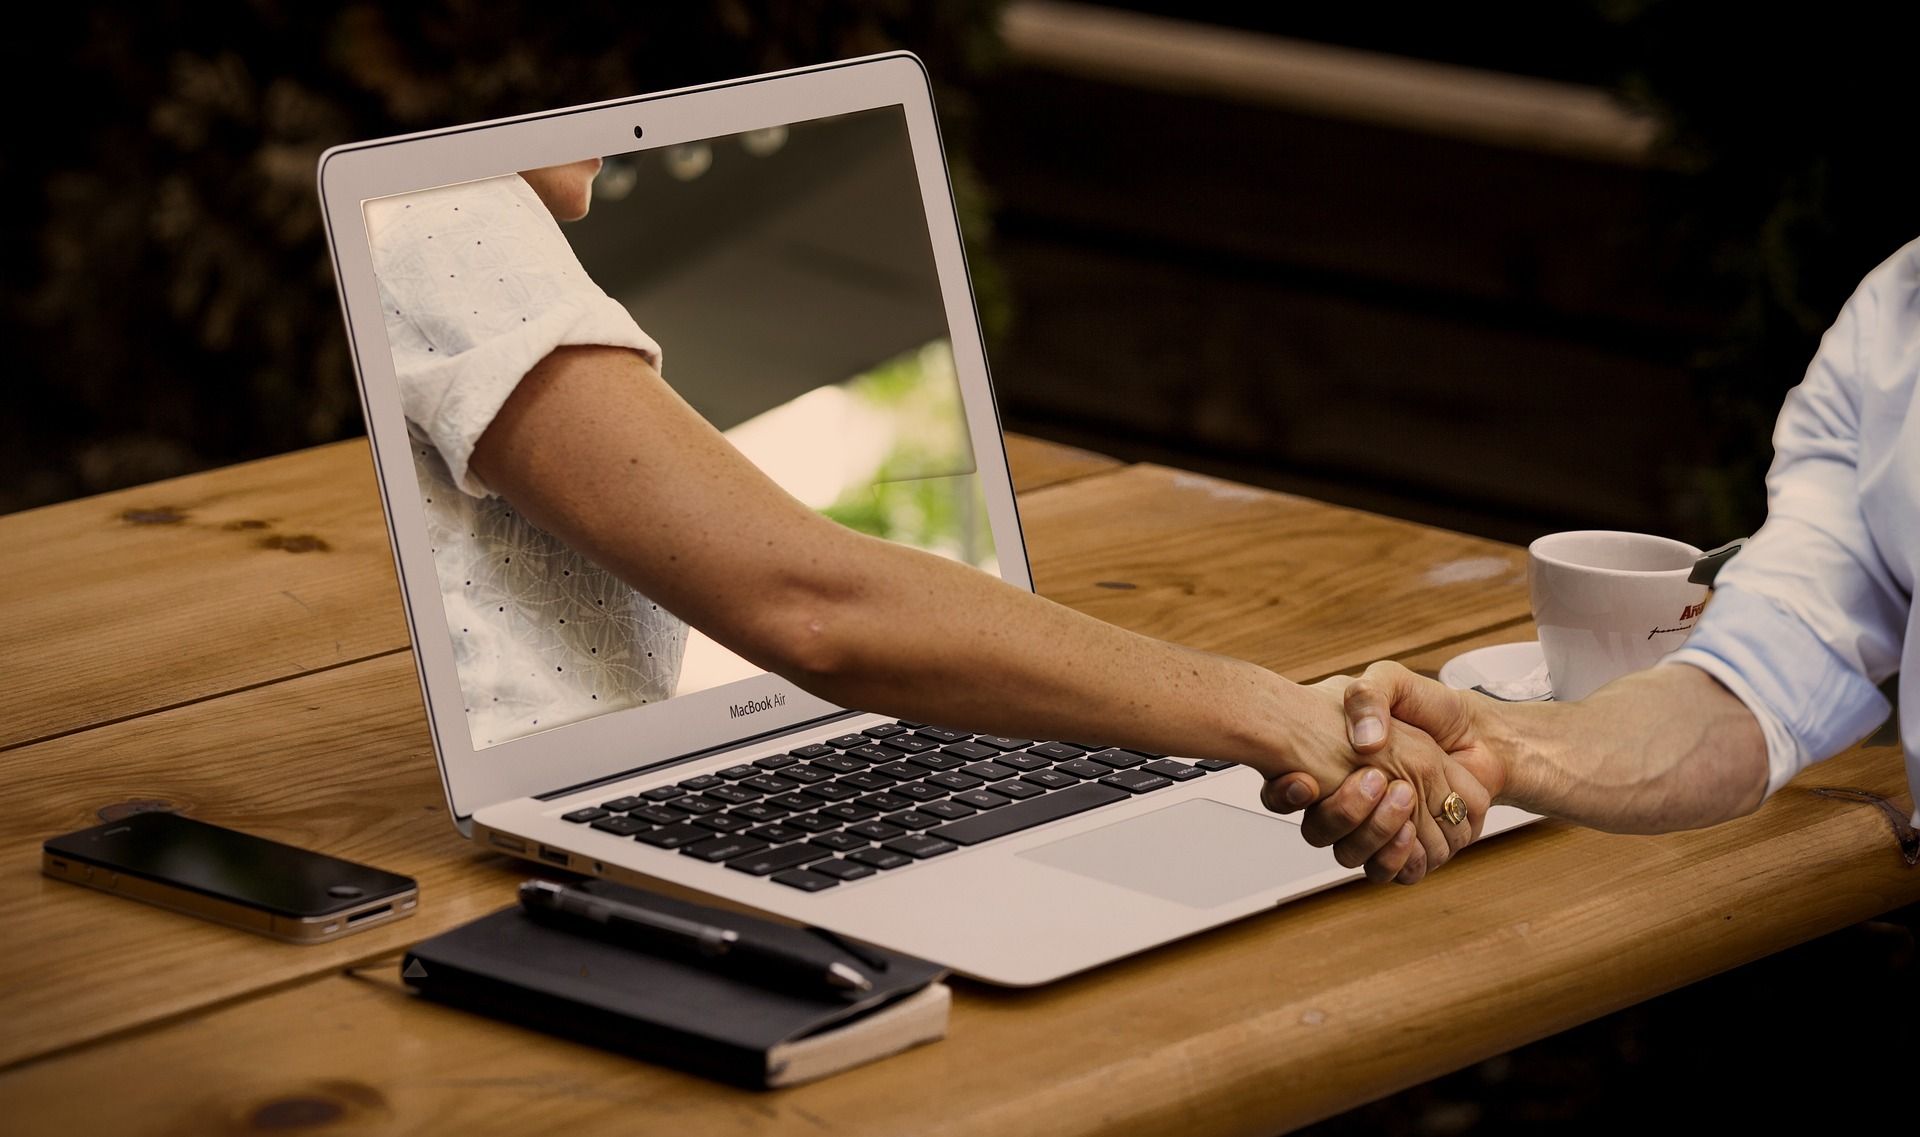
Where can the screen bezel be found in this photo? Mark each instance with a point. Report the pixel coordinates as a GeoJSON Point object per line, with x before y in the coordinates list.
{"type": "Point", "coordinates": [620, 741]}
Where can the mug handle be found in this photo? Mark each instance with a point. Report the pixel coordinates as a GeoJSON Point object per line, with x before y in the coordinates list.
{"type": "Point", "coordinates": [1713, 560]}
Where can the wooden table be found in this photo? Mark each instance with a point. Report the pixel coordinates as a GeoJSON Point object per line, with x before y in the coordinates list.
{"type": "Point", "coordinates": [231, 642]}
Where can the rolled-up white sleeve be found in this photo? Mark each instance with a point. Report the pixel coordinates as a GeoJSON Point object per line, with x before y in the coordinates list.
{"type": "Point", "coordinates": [478, 285]}
{"type": "Point", "coordinates": [1807, 621]}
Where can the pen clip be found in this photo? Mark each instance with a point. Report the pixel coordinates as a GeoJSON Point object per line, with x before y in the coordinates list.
{"type": "Point", "coordinates": [864, 954]}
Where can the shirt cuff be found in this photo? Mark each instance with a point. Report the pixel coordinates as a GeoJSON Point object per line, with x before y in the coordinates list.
{"type": "Point", "coordinates": [476, 383]}
{"type": "Point", "coordinates": [1809, 703]}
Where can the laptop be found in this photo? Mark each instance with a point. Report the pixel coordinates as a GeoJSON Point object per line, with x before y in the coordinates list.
{"type": "Point", "coordinates": [791, 243]}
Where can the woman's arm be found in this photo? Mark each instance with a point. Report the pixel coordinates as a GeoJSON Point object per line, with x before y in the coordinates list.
{"type": "Point", "coordinates": [597, 449]}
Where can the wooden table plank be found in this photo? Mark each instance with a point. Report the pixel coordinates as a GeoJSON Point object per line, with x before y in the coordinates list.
{"type": "Point", "coordinates": [1036, 463]}
{"type": "Point", "coordinates": [340, 760]}
{"type": "Point", "coordinates": [119, 604]}
{"type": "Point", "coordinates": [233, 577]}
{"type": "Point", "coordinates": [1266, 1024]}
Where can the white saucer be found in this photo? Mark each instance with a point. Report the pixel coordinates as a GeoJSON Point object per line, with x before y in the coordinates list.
{"type": "Point", "coordinates": [1513, 671]}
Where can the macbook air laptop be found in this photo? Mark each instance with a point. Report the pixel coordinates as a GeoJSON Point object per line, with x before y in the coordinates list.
{"type": "Point", "coordinates": [791, 243]}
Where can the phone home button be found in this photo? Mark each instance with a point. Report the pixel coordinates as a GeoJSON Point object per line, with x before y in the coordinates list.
{"type": "Point", "coordinates": [344, 892]}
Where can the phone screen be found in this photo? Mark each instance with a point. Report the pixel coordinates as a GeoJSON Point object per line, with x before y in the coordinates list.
{"type": "Point", "coordinates": [233, 866]}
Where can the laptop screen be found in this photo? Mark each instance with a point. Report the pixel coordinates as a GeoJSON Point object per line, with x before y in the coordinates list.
{"type": "Point", "coordinates": [784, 283]}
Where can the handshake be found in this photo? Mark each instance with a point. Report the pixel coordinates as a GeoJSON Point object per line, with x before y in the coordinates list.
{"type": "Point", "coordinates": [1420, 772]}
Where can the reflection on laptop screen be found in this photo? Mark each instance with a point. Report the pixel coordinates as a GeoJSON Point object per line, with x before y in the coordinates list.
{"type": "Point", "coordinates": [785, 283]}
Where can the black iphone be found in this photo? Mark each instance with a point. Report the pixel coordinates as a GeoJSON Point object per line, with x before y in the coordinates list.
{"type": "Point", "coordinates": [229, 877]}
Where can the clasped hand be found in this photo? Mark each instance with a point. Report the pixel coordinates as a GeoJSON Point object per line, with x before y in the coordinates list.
{"type": "Point", "coordinates": [1411, 741]}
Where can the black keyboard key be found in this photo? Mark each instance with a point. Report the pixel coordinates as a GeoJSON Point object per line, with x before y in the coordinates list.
{"type": "Point", "coordinates": [1024, 760]}
{"type": "Point", "coordinates": [761, 811]}
{"type": "Point", "coordinates": [775, 761]}
{"type": "Point", "coordinates": [723, 822]}
{"type": "Point", "coordinates": [848, 811]}
{"type": "Point", "coordinates": [886, 802]}
{"type": "Point", "coordinates": [900, 771]}
{"type": "Point", "coordinates": [1081, 768]}
{"type": "Point", "coordinates": [867, 780]}
{"type": "Point", "coordinates": [1050, 779]}
{"type": "Point", "coordinates": [1059, 751]}
{"type": "Point", "coordinates": [813, 823]}
{"type": "Point", "coordinates": [1147, 754]}
{"type": "Point", "coordinates": [831, 791]}
{"type": "Point", "coordinates": [872, 753]}
{"type": "Point", "coordinates": [768, 784]}
{"type": "Point", "coordinates": [674, 836]}
{"type": "Point", "coordinates": [1003, 743]}
{"type": "Point", "coordinates": [693, 805]}
{"type": "Point", "coordinates": [1086, 745]}
{"type": "Point", "coordinates": [880, 858]}
{"type": "Point", "coordinates": [1017, 789]}
{"type": "Point", "coordinates": [989, 771]}
{"type": "Point", "coordinates": [716, 849]}
{"type": "Point", "coordinates": [913, 819]}
{"type": "Point", "coordinates": [773, 860]}
{"type": "Point", "coordinates": [837, 764]}
{"type": "Point", "coordinates": [1027, 814]}
{"type": "Point", "coordinates": [776, 834]}
{"type": "Point", "coordinates": [884, 730]}
{"type": "Point", "coordinates": [910, 725]}
{"type": "Point", "coordinates": [941, 734]}
{"type": "Point", "coordinates": [590, 813]}
{"type": "Point", "coordinates": [919, 846]}
{"type": "Point", "coordinates": [1178, 771]}
{"type": "Point", "coordinates": [981, 799]}
{"type": "Point", "coordinates": [664, 793]}
{"type": "Point", "coordinates": [937, 760]}
{"type": "Point", "coordinates": [806, 775]}
{"type": "Point", "coordinates": [971, 751]}
{"type": "Point", "coordinates": [948, 810]}
{"type": "Point", "coordinates": [1118, 759]}
{"type": "Point", "coordinates": [1136, 781]}
{"type": "Point", "coordinates": [919, 791]}
{"type": "Point", "coordinates": [847, 741]}
{"type": "Point", "coordinates": [621, 804]}
{"type": "Point", "coordinates": [875, 831]}
{"type": "Point", "coordinates": [911, 743]}
{"type": "Point", "coordinates": [840, 842]}
{"type": "Point", "coordinates": [1215, 764]}
{"type": "Point", "coordinates": [954, 780]}
{"type": "Point", "coordinates": [811, 750]}
{"type": "Point", "coordinates": [805, 881]}
{"type": "Point", "coordinates": [735, 773]}
{"type": "Point", "coordinates": [700, 782]}
{"type": "Point", "coordinates": [841, 870]}
{"type": "Point", "coordinates": [621, 826]}
{"type": "Point", "coordinates": [727, 795]}
{"type": "Point", "coordinates": [793, 801]}
{"type": "Point", "coordinates": [658, 815]}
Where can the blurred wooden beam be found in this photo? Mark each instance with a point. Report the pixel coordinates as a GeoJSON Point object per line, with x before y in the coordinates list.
{"type": "Point", "coordinates": [1435, 98]}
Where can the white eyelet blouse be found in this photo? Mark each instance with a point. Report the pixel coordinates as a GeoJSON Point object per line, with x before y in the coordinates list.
{"type": "Point", "coordinates": [478, 285]}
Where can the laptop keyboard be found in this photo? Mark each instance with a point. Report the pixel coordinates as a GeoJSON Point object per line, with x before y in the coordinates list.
{"type": "Point", "coordinates": [878, 801]}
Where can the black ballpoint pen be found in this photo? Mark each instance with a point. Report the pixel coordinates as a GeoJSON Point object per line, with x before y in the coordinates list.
{"type": "Point", "coordinates": [543, 899]}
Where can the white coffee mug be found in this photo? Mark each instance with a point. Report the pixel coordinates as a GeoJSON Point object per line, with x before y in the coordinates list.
{"type": "Point", "coordinates": [1607, 604]}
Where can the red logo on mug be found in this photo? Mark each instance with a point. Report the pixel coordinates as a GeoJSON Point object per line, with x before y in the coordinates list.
{"type": "Point", "coordinates": [1692, 610]}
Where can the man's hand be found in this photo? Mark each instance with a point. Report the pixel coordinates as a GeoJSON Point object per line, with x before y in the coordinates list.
{"type": "Point", "coordinates": [1371, 819]}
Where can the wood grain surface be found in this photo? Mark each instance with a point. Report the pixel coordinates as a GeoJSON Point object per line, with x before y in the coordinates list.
{"type": "Point", "coordinates": [115, 1017]}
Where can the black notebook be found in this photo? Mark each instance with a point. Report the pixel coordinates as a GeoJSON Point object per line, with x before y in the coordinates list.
{"type": "Point", "coordinates": [679, 1012]}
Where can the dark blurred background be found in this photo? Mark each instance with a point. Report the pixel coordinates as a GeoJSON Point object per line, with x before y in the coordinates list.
{"type": "Point", "coordinates": [1498, 265]}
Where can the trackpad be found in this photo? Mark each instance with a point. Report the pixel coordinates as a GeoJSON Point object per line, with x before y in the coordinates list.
{"type": "Point", "coordinates": [1199, 853]}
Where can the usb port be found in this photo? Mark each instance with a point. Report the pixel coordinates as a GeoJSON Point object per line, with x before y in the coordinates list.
{"type": "Point", "coordinates": [553, 856]}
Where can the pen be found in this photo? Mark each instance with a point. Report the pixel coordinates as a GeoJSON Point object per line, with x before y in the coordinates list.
{"type": "Point", "coordinates": [641, 927]}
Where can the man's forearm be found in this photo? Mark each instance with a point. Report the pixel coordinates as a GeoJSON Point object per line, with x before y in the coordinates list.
{"type": "Point", "coordinates": [1663, 749]}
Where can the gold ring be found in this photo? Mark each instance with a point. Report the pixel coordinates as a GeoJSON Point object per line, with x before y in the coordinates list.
{"type": "Point", "coordinates": [1454, 809]}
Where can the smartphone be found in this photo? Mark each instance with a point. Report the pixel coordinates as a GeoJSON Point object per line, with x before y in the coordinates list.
{"type": "Point", "coordinates": [229, 877]}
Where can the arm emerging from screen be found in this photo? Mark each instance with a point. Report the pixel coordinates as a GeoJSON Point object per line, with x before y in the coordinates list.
{"type": "Point", "coordinates": [597, 449]}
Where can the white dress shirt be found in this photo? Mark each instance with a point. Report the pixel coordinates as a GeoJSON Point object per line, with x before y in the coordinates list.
{"type": "Point", "coordinates": [478, 285]}
{"type": "Point", "coordinates": [1817, 611]}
